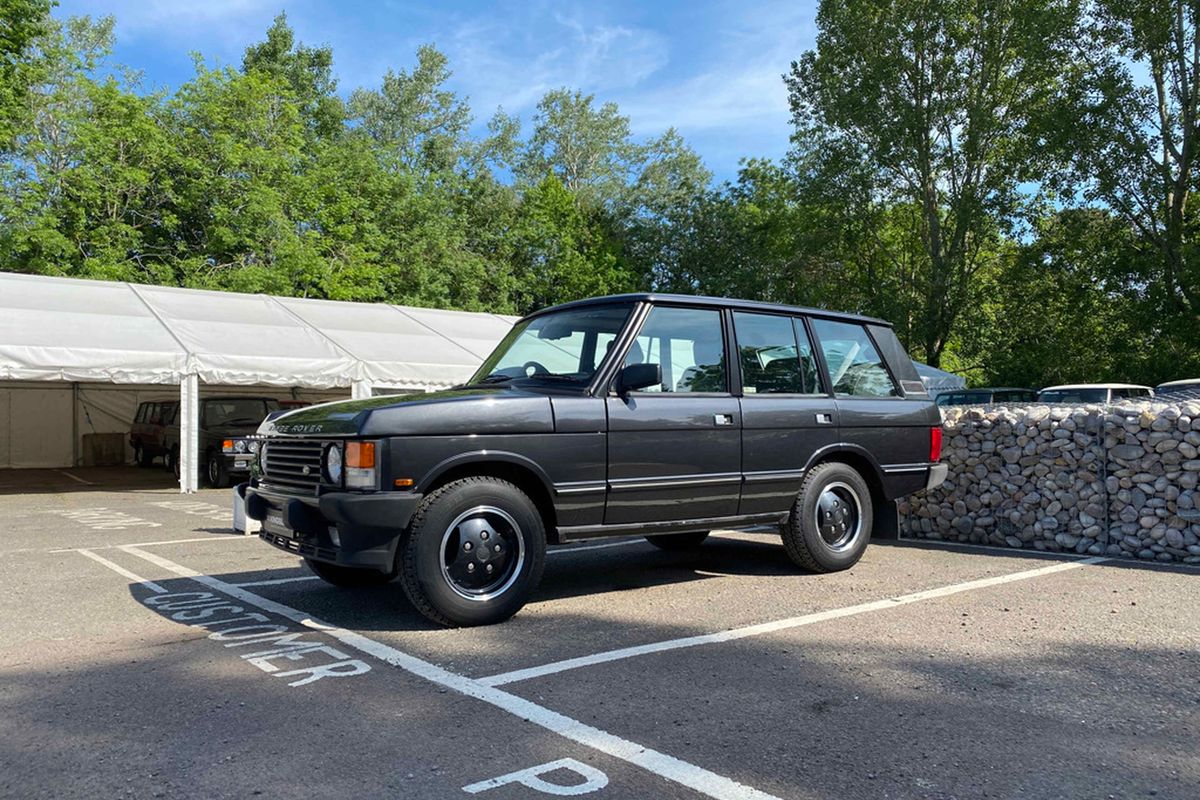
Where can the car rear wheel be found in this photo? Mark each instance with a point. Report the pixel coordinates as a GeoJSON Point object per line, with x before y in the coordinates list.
{"type": "Point", "coordinates": [473, 553]}
{"type": "Point", "coordinates": [348, 577]}
{"type": "Point", "coordinates": [678, 541]}
{"type": "Point", "coordinates": [218, 472]}
{"type": "Point", "coordinates": [830, 524]}
{"type": "Point", "coordinates": [173, 463]}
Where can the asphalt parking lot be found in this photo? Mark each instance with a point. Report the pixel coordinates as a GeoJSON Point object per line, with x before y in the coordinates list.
{"type": "Point", "coordinates": [146, 652]}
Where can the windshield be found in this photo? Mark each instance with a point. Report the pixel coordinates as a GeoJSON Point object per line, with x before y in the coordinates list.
{"type": "Point", "coordinates": [236, 411]}
{"type": "Point", "coordinates": [562, 347]}
{"type": "Point", "coordinates": [1074, 396]}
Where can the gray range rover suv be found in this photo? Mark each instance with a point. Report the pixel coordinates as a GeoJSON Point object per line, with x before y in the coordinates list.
{"type": "Point", "coordinates": [657, 415]}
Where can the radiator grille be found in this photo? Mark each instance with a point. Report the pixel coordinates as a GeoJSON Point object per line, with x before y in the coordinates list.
{"type": "Point", "coordinates": [293, 464]}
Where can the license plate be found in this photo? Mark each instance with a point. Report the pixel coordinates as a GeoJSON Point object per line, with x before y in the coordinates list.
{"type": "Point", "coordinates": [274, 524]}
{"type": "Point", "coordinates": [241, 465]}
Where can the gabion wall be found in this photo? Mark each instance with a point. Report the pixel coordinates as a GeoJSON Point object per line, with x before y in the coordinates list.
{"type": "Point", "coordinates": [1113, 480]}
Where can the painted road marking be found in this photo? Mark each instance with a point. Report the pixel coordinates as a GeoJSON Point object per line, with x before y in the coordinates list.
{"type": "Point", "coordinates": [105, 519]}
{"type": "Point", "coordinates": [255, 631]}
{"type": "Point", "coordinates": [197, 509]}
{"type": "Point", "coordinates": [117, 568]}
{"type": "Point", "coordinates": [665, 766]}
{"type": "Point", "coordinates": [593, 779]}
{"type": "Point", "coordinates": [213, 538]}
{"type": "Point", "coordinates": [75, 477]}
{"type": "Point", "coordinates": [779, 625]}
{"type": "Point", "coordinates": [276, 581]}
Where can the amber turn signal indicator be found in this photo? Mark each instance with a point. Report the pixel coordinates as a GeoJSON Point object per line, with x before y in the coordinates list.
{"type": "Point", "coordinates": [360, 455]}
{"type": "Point", "coordinates": [403, 483]}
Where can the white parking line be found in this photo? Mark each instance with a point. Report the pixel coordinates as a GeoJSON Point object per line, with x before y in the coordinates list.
{"type": "Point", "coordinates": [778, 625]}
{"type": "Point", "coordinates": [117, 568]}
{"type": "Point", "coordinates": [214, 538]}
{"type": "Point", "coordinates": [276, 581]}
{"type": "Point", "coordinates": [75, 477]}
{"type": "Point", "coordinates": [661, 764]}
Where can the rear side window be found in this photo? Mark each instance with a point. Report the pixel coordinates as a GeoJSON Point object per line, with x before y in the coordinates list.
{"type": "Point", "coordinates": [688, 344]}
{"type": "Point", "coordinates": [775, 355]}
{"type": "Point", "coordinates": [855, 367]}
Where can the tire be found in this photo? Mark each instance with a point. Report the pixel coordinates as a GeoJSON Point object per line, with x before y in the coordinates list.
{"type": "Point", "coordinates": [217, 472]}
{"type": "Point", "coordinates": [831, 520]}
{"type": "Point", "coordinates": [143, 458]}
{"type": "Point", "coordinates": [459, 518]}
{"type": "Point", "coordinates": [348, 577]}
{"type": "Point", "coordinates": [174, 465]}
{"type": "Point", "coordinates": [678, 541]}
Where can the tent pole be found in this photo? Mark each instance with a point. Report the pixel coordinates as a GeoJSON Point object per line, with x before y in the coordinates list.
{"type": "Point", "coordinates": [75, 424]}
{"type": "Point", "coordinates": [189, 433]}
{"type": "Point", "coordinates": [360, 390]}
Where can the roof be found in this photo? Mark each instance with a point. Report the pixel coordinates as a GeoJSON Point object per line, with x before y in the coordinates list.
{"type": "Point", "coordinates": [81, 330]}
{"type": "Point", "coordinates": [715, 302]}
{"type": "Point", "coordinates": [999, 389]}
{"type": "Point", "coordinates": [1184, 382]}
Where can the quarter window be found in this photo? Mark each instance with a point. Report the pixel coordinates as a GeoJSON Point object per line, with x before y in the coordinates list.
{"type": "Point", "coordinates": [689, 346]}
{"type": "Point", "coordinates": [855, 367]}
{"type": "Point", "coordinates": [775, 355]}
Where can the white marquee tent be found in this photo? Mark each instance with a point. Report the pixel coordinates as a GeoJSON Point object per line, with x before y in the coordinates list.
{"type": "Point", "coordinates": [939, 381]}
{"type": "Point", "coordinates": [77, 356]}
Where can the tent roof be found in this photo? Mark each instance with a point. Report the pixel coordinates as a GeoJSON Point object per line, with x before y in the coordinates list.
{"type": "Point", "coordinates": [81, 330]}
{"type": "Point", "coordinates": [937, 380]}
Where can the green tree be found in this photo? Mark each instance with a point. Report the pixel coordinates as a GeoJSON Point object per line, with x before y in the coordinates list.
{"type": "Point", "coordinates": [307, 71]}
{"type": "Point", "coordinates": [934, 99]}
{"type": "Point", "coordinates": [1128, 131]}
{"type": "Point", "coordinates": [23, 22]}
{"type": "Point", "coordinates": [560, 254]}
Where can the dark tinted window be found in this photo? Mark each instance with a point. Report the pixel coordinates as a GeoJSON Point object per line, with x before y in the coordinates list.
{"type": "Point", "coordinates": [237, 411]}
{"type": "Point", "coordinates": [1074, 396]}
{"type": "Point", "coordinates": [775, 355]}
{"type": "Point", "coordinates": [855, 367]}
{"type": "Point", "coordinates": [689, 346]}
{"type": "Point", "coordinates": [141, 412]}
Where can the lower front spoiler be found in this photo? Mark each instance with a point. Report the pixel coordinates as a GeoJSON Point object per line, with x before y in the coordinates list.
{"type": "Point", "coordinates": [344, 529]}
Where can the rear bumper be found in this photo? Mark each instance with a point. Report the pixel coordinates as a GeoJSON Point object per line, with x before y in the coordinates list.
{"type": "Point", "coordinates": [353, 530]}
{"type": "Point", "coordinates": [937, 476]}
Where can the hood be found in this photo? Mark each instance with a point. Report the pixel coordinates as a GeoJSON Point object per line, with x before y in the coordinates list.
{"type": "Point", "coordinates": [451, 412]}
{"type": "Point", "coordinates": [231, 431]}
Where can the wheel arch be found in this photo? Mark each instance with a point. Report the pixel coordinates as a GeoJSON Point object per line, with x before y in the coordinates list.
{"type": "Point", "coordinates": [885, 523]}
{"type": "Point", "coordinates": [518, 470]}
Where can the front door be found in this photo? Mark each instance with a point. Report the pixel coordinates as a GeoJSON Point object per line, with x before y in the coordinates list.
{"type": "Point", "coordinates": [674, 450]}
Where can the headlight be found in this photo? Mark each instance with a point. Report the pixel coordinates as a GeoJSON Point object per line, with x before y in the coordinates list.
{"type": "Point", "coordinates": [332, 464]}
{"type": "Point", "coordinates": [252, 447]}
{"type": "Point", "coordinates": [239, 445]}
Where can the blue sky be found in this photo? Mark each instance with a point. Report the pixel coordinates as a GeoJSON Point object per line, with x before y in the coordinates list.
{"type": "Point", "coordinates": [711, 69]}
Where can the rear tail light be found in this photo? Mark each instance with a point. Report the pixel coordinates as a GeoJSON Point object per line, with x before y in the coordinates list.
{"type": "Point", "coordinates": [935, 444]}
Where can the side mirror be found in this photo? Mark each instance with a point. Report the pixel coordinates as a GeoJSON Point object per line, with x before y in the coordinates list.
{"type": "Point", "coordinates": [638, 376]}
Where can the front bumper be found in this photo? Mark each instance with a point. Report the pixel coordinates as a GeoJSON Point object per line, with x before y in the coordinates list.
{"type": "Point", "coordinates": [353, 530]}
{"type": "Point", "coordinates": [238, 462]}
{"type": "Point", "coordinates": [937, 476]}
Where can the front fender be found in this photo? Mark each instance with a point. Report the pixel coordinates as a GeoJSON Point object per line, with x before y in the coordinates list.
{"type": "Point", "coordinates": [455, 462]}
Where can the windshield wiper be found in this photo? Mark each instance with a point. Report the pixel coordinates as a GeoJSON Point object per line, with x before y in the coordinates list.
{"type": "Point", "coordinates": [495, 377]}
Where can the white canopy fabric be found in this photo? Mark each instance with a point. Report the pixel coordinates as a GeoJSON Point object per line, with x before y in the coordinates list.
{"type": "Point", "coordinates": [79, 330]}
{"type": "Point", "coordinates": [939, 381]}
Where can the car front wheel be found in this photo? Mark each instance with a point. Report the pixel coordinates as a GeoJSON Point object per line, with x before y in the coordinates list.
{"type": "Point", "coordinates": [473, 553]}
{"type": "Point", "coordinates": [830, 524]}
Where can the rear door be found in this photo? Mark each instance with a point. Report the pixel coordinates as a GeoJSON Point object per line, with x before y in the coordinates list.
{"type": "Point", "coordinates": [787, 414]}
{"type": "Point", "coordinates": [892, 427]}
{"type": "Point", "coordinates": [674, 450]}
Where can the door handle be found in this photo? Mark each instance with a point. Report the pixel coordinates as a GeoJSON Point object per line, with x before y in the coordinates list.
{"type": "Point", "coordinates": [824, 419]}
{"type": "Point", "coordinates": [723, 419]}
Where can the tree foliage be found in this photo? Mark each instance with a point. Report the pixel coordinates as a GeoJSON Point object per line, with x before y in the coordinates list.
{"type": "Point", "coordinates": [1009, 182]}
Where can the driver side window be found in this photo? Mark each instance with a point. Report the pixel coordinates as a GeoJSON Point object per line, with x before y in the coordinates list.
{"type": "Point", "coordinates": [689, 346]}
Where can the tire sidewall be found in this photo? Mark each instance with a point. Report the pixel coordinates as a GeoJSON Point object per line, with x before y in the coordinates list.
{"type": "Point", "coordinates": [425, 550]}
{"type": "Point", "coordinates": [804, 512]}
